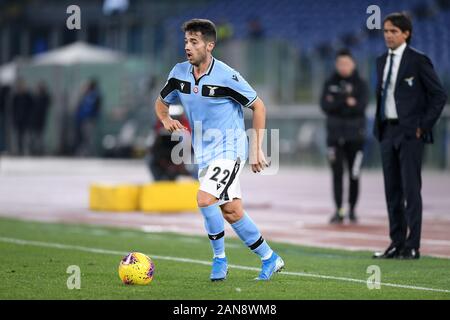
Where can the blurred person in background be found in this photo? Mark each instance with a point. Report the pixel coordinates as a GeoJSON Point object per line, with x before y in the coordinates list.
{"type": "Point", "coordinates": [344, 100]}
{"type": "Point", "coordinates": [224, 30]}
{"type": "Point", "coordinates": [159, 159]}
{"type": "Point", "coordinates": [255, 28]}
{"type": "Point", "coordinates": [4, 134]}
{"type": "Point", "coordinates": [86, 119]}
{"type": "Point", "coordinates": [38, 119]}
{"type": "Point", "coordinates": [22, 105]}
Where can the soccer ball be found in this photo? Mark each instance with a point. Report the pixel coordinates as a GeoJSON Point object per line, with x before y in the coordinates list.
{"type": "Point", "coordinates": [136, 268]}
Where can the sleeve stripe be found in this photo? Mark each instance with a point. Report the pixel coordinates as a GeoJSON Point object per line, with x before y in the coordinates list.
{"type": "Point", "coordinates": [163, 101]}
{"type": "Point", "coordinates": [237, 96]}
{"type": "Point", "coordinates": [168, 88]}
{"type": "Point", "coordinates": [250, 103]}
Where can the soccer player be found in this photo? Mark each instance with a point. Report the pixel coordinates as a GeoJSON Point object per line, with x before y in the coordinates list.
{"type": "Point", "coordinates": [214, 95]}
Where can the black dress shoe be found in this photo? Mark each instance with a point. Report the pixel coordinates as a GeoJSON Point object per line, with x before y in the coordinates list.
{"type": "Point", "coordinates": [409, 253]}
{"type": "Point", "coordinates": [338, 217]}
{"type": "Point", "coordinates": [352, 217]}
{"type": "Point", "coordinates": [391, 252]}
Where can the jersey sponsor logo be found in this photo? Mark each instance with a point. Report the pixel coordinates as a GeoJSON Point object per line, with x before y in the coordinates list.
{"type": "Point", "coordinates": [212, 92]}
{"type": "Point", "coordinates": [235, 78]}
{"type": "Point", "coordinates": [185, 86]}
{"type": "Point", "coordinates": [175, 84]}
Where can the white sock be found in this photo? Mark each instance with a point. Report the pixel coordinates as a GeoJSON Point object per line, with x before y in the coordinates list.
{"type": "Point", "coordinates": [268, 255]}
{"type": "Point", "coordinates": [221, 256]}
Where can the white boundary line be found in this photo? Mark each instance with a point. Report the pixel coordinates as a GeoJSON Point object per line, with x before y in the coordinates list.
{"type": "Point", "coordinates": [208, 263]}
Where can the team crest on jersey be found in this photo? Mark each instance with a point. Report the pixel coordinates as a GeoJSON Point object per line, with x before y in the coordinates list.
{"type": "Point", "coordinates": [212, 90]}
{"type": "Point", "coordinates": [195, 89]}
{"type": "Point", "coordinates": [181, 86]}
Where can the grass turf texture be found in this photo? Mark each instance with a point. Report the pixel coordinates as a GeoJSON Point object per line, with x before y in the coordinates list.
{"type": "Point", "coordinates": [37, 272]}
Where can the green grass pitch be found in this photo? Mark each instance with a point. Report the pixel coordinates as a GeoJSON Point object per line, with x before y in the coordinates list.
{"type": "Point", "coordinates": [35, 257]}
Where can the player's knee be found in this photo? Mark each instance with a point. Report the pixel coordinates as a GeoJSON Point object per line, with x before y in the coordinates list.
{"type": "Point", "coordinates": [205, 200]}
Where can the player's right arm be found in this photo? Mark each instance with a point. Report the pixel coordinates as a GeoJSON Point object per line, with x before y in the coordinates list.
{"type": "Point", "coordinates": [162, 112]}
{"type": "Point", "coordinates": [168, 96]}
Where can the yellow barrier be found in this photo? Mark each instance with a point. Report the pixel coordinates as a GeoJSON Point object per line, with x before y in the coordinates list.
{"type": "Point", "coordinates": [123, 197]}
{"type": "Point", "coordinates": [169, 196]}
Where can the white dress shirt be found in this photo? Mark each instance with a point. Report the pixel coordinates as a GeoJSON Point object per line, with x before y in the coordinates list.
{"type": "Point", "coordinates": [390, 107]}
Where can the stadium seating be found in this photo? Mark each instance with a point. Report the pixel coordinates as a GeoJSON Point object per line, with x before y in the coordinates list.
{"type": "Point", "coordinates": [308, 24]}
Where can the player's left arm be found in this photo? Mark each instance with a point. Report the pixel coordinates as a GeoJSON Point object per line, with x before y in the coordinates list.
{"type": "Point", "coordinates": [436, 96]}
{"type": "Point", "coordinates": [247, 97]}
{"type": "Point", "coordinates": [257, 157]}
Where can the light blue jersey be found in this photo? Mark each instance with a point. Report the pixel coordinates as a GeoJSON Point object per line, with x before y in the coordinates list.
{"type": "Point", "coordinates": [214, 106]}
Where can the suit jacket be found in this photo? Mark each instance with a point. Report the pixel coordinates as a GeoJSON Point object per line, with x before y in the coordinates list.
{"type": "Point", "coordinates": [419, 95]}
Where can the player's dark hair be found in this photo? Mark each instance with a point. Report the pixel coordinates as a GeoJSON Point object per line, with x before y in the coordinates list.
{"type": "Point", "coordinates": [206, 27]}
{"type": "Point", "coordinates": [402, 21]}
{"type": "Point", "coordinates": [344, 53]}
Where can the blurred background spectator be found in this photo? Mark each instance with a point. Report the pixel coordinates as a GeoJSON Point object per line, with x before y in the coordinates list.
{"type": "Point", "coordinates": [224, 30]}
{"type": "Point", "coordinates": [86, 119]}
{"type": "Point", "coordinates": [255, 29]}
{"type": "Point", "coordinates": [38, 118]}
{"type": "Point", "coordinates": [4, 94]}
{"type": "Point", "coordinates": [22, 106]}
{"type": "Point", "coordinates": [159, 160]}
{"type": "Point", "coordinates": [344, 100]}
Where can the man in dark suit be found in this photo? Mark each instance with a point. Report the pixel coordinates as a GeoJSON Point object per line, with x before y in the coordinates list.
{"type": "Point", "coordinates": [410, 99]}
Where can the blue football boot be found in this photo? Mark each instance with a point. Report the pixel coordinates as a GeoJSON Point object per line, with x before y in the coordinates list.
{"type": "Point", "coordinates": [270, 266]}
{"type": "Point", "coordinates": [219, 269]}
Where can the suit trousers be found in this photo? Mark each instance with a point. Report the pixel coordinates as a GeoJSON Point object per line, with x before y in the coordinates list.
{"type": "Point", "coordinates": [401, 157]}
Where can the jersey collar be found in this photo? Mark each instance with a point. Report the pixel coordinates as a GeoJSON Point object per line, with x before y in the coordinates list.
{"type": "Point", "coordinates": [207, 73]}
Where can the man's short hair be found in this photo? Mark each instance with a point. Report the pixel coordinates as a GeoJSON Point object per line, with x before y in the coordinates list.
{"type": "Point", "coordinates": [344, 52]}
{"type": "Point", "coordinates": [206, 27]}
{"type": "Point", "coordinates": [402, 21]}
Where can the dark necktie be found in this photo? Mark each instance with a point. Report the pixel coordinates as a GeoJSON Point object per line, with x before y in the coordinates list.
{"type": "Point", "coordinates": [385, 89]}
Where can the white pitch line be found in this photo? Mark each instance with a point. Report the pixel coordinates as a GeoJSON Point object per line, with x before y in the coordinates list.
{"type": "Point", "coordinates": [208, 263]}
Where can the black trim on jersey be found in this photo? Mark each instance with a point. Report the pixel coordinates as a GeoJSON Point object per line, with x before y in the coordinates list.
{"type": "Point", "coordinates": [206, 74]}
{"type": "Point", "coordinates": [257, 243]}
{"type": "Point", "coordinates": [216, 236]}
{"type": "Point", "coordinates": [224, 194]}
{"type": "Point", "coordinates": [164, 102]}
{"type": "Point", "coordinates": [175, 84]}
{"type": "Point", "coordinates": [250, 103]}
{"type": "Point", "coordinates": [213, 91]}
